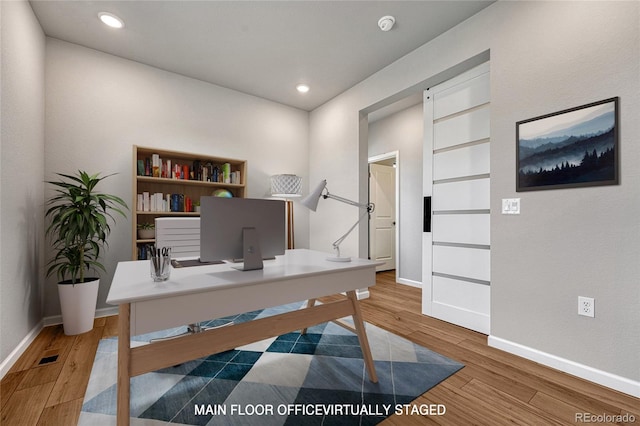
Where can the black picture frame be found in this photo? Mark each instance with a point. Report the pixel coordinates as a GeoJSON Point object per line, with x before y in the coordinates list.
{"type": "Point", "coordinates": [572, 148]}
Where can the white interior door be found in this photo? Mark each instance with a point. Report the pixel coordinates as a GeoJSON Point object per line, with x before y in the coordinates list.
{"type": "Point", "coordinates": [456, 252]}
{"type": "Point", "coordinates": [382, 229]}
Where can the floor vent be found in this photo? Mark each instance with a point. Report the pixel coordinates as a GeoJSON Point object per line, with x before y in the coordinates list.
{"type": "Point", "coordinates": [48, 359]}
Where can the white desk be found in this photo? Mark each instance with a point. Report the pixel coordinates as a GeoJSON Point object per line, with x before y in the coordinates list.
{"type": "Point", "coordinates": [202, 293]}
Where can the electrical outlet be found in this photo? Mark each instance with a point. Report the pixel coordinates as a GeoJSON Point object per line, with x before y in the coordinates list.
{"type": "Point", "coordinates": [586, 306]}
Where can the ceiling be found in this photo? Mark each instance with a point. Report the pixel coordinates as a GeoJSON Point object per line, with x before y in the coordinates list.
{"type": "Point", "coordinates": [263, 48]}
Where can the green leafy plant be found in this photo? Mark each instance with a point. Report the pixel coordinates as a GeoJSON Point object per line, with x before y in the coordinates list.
{"type": "Point", "coordinates": [79, 224]}
{"type": "Point", "coordinates": [146, 225]}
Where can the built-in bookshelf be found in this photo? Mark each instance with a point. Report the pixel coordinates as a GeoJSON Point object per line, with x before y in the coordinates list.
{"type": "Point", "coordinates": [170, 183]}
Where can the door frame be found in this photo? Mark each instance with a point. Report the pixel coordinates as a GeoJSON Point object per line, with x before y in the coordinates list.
{"type": "Point", "coordinates": [378, 159]}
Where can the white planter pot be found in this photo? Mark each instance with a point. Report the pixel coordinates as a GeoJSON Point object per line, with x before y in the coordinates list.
{"type": "Point", "coordinates": [78, 305]}
{"type": "Point", "coordinates": [146, 234]}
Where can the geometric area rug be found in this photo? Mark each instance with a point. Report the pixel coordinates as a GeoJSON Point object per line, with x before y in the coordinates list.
{"type": "Point", "coordinates": [314, 379]}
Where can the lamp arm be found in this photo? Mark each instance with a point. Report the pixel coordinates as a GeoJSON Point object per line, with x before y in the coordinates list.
{"type": "Point", "coordinates": [347, 201]}
{"type": "Point", "coordinates": [368, 209]}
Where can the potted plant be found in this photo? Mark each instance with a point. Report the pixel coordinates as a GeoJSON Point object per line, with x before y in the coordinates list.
{"type": "Point", "coordinates": [146, 231]}
{"type": "Point", "coordinates": [78, 230]}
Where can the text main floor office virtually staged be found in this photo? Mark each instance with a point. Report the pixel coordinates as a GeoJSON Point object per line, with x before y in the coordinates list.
{"type": "Point", "coordinates": [320, 212]}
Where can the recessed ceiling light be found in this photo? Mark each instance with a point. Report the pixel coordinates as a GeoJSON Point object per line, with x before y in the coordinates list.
{"type": "Point", "coordinates": [111, 20]}
{"type": "Point", "coordinates": [302, 88]}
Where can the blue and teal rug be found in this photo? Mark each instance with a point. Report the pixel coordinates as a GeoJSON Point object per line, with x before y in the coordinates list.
{"type": "Point", "coordinates": [313, 379]}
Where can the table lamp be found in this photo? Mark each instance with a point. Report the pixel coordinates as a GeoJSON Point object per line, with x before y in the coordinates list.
{"type": "Point", "coordinates": [287, 186]}
{"type": "Point", "coordinates": [311, 202]}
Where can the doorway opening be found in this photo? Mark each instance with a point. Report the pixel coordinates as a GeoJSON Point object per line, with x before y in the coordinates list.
{"type": "Point", "coordinates": [383, 224]}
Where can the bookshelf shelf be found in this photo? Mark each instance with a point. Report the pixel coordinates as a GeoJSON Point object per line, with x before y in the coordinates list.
{"type": "Point", "coordinates": [168, 213]}
{"type": "Point", "coordinates": [160, 175]}
{"type": "Point", "coordinates": [167, 181]}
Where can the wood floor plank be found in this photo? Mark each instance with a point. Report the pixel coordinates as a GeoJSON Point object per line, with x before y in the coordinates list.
{"type": "Point", "coordinates": [9, 384]}
{"type": "Point", "coordinates": [40, 375]}
{"type": "Point", "coordinates": [464, 408]}
{"type": "Point", "coordinates": [73, 379]}
{"type": "Point", "coordinates": [25, 406]}
{"type": "Point", "coordinates": [99, 322]}
{"type": "Point", "coordinates": [460, 379]}
{"type": "Point", "coordinates": [561, 409]}
{"type": "Point", "coordinates": [66, 413]}
{"type": "Point", "coordinates": [110, 327]}
{"type": "Point", "coordinates": [524, 412]}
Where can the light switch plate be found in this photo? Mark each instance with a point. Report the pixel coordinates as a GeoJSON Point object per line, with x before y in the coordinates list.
{"type": "Point", "coordinates": [511, 206]}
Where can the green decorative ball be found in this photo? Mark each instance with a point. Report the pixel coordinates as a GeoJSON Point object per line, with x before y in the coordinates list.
{"type": "Point", "coordinates": [224, 193]}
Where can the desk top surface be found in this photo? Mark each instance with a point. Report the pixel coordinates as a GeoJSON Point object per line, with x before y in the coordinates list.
{"type": "Point", "coordinates": [132, 280]}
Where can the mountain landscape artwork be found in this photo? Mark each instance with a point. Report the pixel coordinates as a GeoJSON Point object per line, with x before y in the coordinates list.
{"type": "Point", "coordinates": [571, 148]}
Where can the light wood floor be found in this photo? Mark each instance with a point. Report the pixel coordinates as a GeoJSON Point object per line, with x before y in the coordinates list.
{"type": "Point", "coordinates": [494, 388]}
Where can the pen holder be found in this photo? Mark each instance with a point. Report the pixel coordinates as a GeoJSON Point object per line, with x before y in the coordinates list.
{"type": "Point", "coordinates": [160, 262]}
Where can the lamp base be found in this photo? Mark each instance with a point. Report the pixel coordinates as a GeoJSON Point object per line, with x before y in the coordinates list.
{"type": "Point", "coordinates": [338, 259]}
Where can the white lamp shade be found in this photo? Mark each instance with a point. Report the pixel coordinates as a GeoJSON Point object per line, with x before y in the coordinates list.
{"type": "Point", "coordinates": [311, 200]}
{"type": "Point", "coordinates": [286, 186]}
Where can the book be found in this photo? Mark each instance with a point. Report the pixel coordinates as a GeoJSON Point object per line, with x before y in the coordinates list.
{"type": "Point", "coordinates": [155, 165]}
{"type": "Point", "coordinates": [146, 201]}
{"type": "Point", "coordinates": [226, 173]}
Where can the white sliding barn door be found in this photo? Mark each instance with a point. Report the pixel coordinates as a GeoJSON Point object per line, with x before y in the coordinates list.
{"type": "Point", "coordinates": [456, 253]}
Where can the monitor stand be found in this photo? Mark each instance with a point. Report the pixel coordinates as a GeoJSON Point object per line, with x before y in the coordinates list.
{"type": "Point", "coordinates": [251, 251]}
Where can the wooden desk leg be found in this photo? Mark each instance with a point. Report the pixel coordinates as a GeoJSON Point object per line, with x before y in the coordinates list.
{"type": "Point", "coordinates": [124, 364]}
{"type": "Point", "coordinates": [310, 304]}
{"type": "Point", "coordinates": [362, 337]}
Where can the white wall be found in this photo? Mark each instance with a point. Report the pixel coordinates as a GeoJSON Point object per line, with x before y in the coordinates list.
{"type": "Point", "coordinates": [21, 174]}
{"type": "Point", "coordinates": [403, 132]}
{"type": "Point", "coordinates": [99, 105]}
{"type": "Point", "coordinates": [574, 242]}
{"type": "Point", "coordinates": [545, 57]}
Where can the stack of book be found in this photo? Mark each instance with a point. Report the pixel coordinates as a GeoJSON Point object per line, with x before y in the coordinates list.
{"type": "Point", "coordinates": [144, 251]}
{"type": "Point", "coordinates": [160, 202]}
{"type": "Point", "coordinates": [155, 166]}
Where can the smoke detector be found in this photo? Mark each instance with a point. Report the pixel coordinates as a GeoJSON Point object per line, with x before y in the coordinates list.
{"type": "Point", "coordinates": [386, 23]}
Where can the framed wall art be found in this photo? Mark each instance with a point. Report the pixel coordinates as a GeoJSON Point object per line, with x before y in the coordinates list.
{"type": "Point", "coordinates": [567, 149]}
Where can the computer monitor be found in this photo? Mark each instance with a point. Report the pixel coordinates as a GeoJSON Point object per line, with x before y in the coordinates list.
{"type": "Point", "coordinates": [241, 228]}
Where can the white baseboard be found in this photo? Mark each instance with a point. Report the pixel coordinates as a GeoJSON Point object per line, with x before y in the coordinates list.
{"type": "Point", "coordinates": [621, 384]}
{"type": "Point", "coordinates": [8, 362]}
{"type": "Point", "coordinates": [102, 312]}
{"type": "Point", "coordinates": [466, 318]}
{"type": "Point", "coordinates": [54, 320]}
{"type": "Point", "coordinates": [408, 282]}
{"type": "Point", "coordinates": [106, 312]}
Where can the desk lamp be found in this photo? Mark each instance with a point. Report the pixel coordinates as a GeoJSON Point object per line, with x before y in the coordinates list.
{"type": "Point", "coordinates": [311, 202]}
